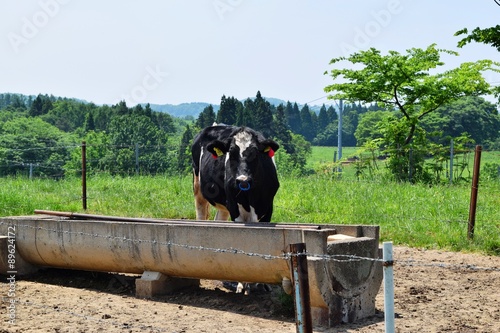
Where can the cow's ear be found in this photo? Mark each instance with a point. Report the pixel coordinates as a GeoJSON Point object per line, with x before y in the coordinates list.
{"type": "Point", "coordinates": [269, 147]}
{"type": "Point", "coordinates": [217, 148]}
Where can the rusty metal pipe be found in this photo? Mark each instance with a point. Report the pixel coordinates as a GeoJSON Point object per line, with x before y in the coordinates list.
{"type": "Point", "coordinates": [80, 216]}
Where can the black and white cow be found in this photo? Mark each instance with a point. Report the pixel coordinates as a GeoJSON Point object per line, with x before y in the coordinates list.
{"type": "Point", "coordinates": [234, 171]}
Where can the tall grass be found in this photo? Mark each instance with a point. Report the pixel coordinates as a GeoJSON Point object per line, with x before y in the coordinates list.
{"type": "Point", "coordinates": [414, 215]}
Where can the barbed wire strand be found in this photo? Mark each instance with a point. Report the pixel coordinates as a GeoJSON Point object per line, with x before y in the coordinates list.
{"type": "Point", "coordinates": [339, 258]}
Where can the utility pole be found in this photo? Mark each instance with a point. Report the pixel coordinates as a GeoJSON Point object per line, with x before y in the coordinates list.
{"type": "Point", "coordinates": [339, 144]}
{"type": "Point", "coordinates": [339, 136]}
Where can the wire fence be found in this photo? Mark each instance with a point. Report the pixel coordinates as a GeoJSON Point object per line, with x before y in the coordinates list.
{"type": "Point", "coordinates": [133, 159]}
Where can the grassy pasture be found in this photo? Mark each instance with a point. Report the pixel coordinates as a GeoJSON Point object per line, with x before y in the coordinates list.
{"type": "Point", "coordinates": [323, 157]}
{"type": "Point", "coordinates": [414, 215]}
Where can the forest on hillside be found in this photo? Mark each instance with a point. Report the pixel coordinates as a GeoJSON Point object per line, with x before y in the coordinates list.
{"type": "Point", "coordinates": [46, 131]}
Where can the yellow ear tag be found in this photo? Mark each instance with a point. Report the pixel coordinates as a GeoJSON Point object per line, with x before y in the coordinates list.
{"type": "Point", "coordinates": [218, 151]}
{"type": "Point", "coordinates": [269, 151]}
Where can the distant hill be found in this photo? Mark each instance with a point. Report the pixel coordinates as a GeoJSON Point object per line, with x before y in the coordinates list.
{"type": "Point", "coordinates": [195, 108]}
{"type": "Point", "coordinates": [183, 109]}
{"type": "Point", "coordinates": [180, 110]}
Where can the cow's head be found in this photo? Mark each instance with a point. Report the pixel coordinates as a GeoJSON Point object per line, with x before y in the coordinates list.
{"type": "Point", "coordinates": [246, 155]}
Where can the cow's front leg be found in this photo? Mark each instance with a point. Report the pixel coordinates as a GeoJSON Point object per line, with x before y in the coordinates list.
{"type": "Point", "coordinates": [222, 213]}
{"type": "Point", "coordinates": [201, 204]}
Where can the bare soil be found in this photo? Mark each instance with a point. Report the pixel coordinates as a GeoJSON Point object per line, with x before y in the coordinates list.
{"type": "Point", "coordinates": [435, 291]}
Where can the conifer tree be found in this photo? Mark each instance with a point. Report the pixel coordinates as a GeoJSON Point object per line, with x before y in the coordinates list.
{"type": "Point", "coordinates": [332, 114]}
{"type": "Point", "coordinates": [307, 123]}
{"type": "Point", "coordinates": [323, 120]}
{"type": "Point", "coordinates": [294, 120]}
{"type": "Point", "coordinates": [206, 117]}
{"type": "Point", "coordinates": [227, 111]}
{"type": "Point", "coordinates": [183, 155]}
{"type": "Point", "coordinates": [282, 131]}
{"type": "Point", "coordinates": [263, 116]}
{"type": "Point", "coordinates": [89, 122]}
{"type": "Point", "coordinates": [244, 116]}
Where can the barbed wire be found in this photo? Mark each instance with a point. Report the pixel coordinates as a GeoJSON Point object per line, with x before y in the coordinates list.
{"type": "Point", "coordinates": [7, 149]}
{"type": "Point", "coordinates": [339, 258]}
{"type": "Point", "coordinates": [91, 145]}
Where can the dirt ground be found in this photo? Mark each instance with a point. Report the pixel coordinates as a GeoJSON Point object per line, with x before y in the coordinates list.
{"type": "Point", "coordinates": [435, 291]}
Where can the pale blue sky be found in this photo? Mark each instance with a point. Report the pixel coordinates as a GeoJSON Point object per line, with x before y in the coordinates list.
{"type": "Point", "coordinates": [196, 51]}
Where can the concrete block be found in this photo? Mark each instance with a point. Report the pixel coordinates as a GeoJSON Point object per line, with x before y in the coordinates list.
{"type": "Point", "coordinates": [154, 284]}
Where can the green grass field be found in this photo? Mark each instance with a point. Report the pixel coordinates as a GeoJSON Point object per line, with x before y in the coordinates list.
{"type": "Point", "coordinates": [415, 215]}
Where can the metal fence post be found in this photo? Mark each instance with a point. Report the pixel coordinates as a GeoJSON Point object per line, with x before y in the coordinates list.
{"type": "Point", "coordinates": [300, 281]}
{"type": "Point", "coordinates": [388, 287]}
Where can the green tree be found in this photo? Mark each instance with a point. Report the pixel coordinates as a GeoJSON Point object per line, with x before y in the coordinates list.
{"type": "Point", "coordinates": [308, 130]}
{"type": "Point", "coordinates": [292, 114]}
{"type": "Point", "coordinates": [67, 115]}
{"type": "Point", "coordinates": [25, 141]}
{"type": "Point", "coordinates": [40, 106]}
{"type": "Point", "coordinates": [283, 133]}
{"type": "Point", "coordinates": [128, 133]}
{"type": "Point", "coordinates": [162, 120]}
{"type": "Point", "coordinates": [404, 82]}
{"type": "Point", "coordinates": [227, 111]}
{"type": "Point", "coordinates": [472, 115]}
{"type": "Point", "coordinates": [332, 114]}
{"type": "Point", "coordinates": [323, 119]}
{"type": "Point", "coordinates": [206, 117]}
{"type": "Point", "coordinates": [263, 116]}
{"type": "Point", "coordinates": [295, 163]}
{"type": "Point", "coordinates": [98, 148]}
{"type": "Point", "coordinates": [244, 115]}
{"type": "Point", "coordinates": [485, 36]}
{"type": "Point", "coordinates": [184, 153]}
{"type": "Point", "coordinates": [368, 128]}
{"type": "Point", "coordinates": [89, 124]}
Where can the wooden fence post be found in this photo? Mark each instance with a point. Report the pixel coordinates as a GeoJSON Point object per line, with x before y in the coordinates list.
{"type": "Point", "coordinates": [84, 175]}
{"type": "Point", "coordinates": [473, 195]}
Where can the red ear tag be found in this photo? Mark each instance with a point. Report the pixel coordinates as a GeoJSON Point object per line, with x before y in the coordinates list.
{"type": "Point", "coordinates": [214, 156]}
{"type": "Point", "coordinates": [270, 152]}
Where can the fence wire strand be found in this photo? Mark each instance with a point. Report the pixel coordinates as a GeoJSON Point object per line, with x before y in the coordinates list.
{"type": "Point", "coordinates": [339, 258]}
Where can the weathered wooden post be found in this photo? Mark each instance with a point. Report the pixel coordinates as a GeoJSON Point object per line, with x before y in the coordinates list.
{"type": "Point", "coordinates": [473, 195]}
{"type": "Point", "coordinates": [84, 175]}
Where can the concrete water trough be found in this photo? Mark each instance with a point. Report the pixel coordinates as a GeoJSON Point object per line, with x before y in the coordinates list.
{"type": "Point", "coordinates": [343, 277]}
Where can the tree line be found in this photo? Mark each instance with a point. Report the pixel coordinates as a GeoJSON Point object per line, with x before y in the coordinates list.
{"type": "Point", "coordinates": [47, 131]}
